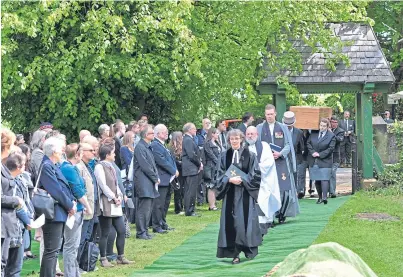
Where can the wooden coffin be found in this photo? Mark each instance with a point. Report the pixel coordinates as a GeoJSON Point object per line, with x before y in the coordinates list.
{"type": "Point", "coordinates": [309, 117]}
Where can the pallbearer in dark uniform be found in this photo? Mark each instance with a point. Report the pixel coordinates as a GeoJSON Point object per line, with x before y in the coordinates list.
{"type": "Point", "coordinates": [280, 141]}
{"type": "Point", "coordinates": [239, 224]}
{"type": "Point", "coordinates": [320, 158]}
{"type": "Point", "coordinates": [298, 144]}
{"type": "Point", "coordinates": [191, 167]}
{"type": "Point", "coordinates": [166, 170]}
{"type": "Point", "coordinates": [339, 135]}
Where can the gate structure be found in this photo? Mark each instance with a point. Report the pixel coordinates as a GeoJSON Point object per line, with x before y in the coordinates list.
{"type": "Point", "coordinates": [368, 73]}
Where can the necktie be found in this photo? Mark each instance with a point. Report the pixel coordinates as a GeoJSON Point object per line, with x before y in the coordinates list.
{"type": "Point", "coordinates": [321, 135]}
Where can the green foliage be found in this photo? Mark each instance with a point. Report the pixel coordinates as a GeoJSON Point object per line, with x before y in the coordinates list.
{"type": "Point", "coordinates": [82, 63]}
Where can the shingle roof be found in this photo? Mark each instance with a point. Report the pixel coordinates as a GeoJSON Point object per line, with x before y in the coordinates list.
{"type": "Point", "coordinates": [368, 63]}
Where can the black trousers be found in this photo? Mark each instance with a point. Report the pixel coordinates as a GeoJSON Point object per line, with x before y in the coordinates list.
{"type": "Point", "coordinates": [322, 187]}
{"type": "Point", "coordinates": [158, 214]}
{"type": "Point", "coordinates": [52, 235]}
{"type": "Point", "coordinates": [106, 225]}
{"type": "Point", "coordinates": [179, 195]}
{"type": "Point", "coordinates": [143, 215]}
{"type": "Point", "coordinates": [345, 151]}
{"type": "Point", "coordinates": [201, 190]}
{"type": "Point", "coordinates": [166, 207]}
{"type": "Point", "coordinates": [191, 185]}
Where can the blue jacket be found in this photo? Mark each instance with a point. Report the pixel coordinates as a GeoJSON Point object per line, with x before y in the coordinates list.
{"type": "Point", "coordinates": [126, 157]}
{"type": "Point", "coordinates": [165, 162]}
{"type": "Point", "coordinates": [76, 182]}
{"type": "Point", "coordinates": [53, 181]}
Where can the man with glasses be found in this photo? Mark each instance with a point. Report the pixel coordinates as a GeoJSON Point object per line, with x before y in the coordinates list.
{"type": "Point", "coordinates": [146, 178]}
{"type": "Point", "coordinates": [191, 168]}
{"type": "Point", "coordinates": [339, 134]}
{"type": "Point", "coordinates": [86, 172]}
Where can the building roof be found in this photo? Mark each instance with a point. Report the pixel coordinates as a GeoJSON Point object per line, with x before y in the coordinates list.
{"type": "Point", "coordinates": [368, 63]}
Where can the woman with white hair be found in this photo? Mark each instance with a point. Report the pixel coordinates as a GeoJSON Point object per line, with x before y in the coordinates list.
{"type": "Point", "coordinates": [103, 131]}
{"type": "Point", "coordinates": [37, 141]}
{"type": "Point", "coordinates": [52, 180]}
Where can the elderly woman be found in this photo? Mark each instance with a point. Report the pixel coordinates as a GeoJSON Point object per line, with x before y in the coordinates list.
{"type": "Point", "coordinates": [37, 141]}
{"type": "Point", "coordinates": [11, 260]}
{"type": "Point", "coordinates": [212, 150]}
{"type": "Point", "coordinates": [111, 199]}
{"type": "Point", "coordinates": [103, 131]}
{"type": "Point", "coordinates": [52, 180]}
{"type": "Point", "coordinates": [320, 159]}
{"type": "Point", "coordinates": [239, 188]}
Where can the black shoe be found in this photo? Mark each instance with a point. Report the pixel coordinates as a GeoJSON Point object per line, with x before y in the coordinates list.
{"type": "Point", "coordinates": [213, 209]}
{"type": "Point", "coordinates": [145, 237]}
{"type": "Point", "coordinates": [193, 214]}
{"type": "Point", "coordinates": [319, 201]}
{"type": "Point", "coordinates": [333, 195]}
{"type": "Point", "coordinates": [166, 227]}
{"type": "Point", "coordinates": [325, 201]}
{"type": "Point", "coordinates": [236, 260]}
{"type": "Point", "coordinates": [281, 220]}
{"type": "Point", "coordinates": [160, 231]}
{"type": "Point", "coordinates": [301, 195]}
{"type": "Point", "coordinates": [199, 204]}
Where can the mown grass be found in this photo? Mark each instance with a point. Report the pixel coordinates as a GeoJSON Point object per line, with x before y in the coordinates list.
{"type": "Point", "coordinates": [144, 253]}
{"type": "Point", "coordinates": [378, 243]}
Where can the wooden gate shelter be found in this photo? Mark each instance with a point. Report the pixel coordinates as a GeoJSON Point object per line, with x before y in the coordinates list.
{"type": "Point", "coordinates": [368, 73]}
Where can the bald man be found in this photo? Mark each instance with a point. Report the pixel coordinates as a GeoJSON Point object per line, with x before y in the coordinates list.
{"type": "Point", "coordinates": [83, 134]}
{"type": "Point", "coordinates": [269, 199]}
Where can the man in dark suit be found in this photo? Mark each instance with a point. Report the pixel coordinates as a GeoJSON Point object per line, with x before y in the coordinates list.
{"type": "Point", "coordinates": [339, 134]}
{"type": "Point", "coordinates": [200, 138]}
{"type": "Point", "coordinates": [191, 167]}
{"type": "Point", "coordinates": [145, 176]}
{"type": "Point", "coordinates": [247, 121]}
{"type": "Point", "coordinates": [222, 138]}
{"type": "Point", "coordinates": [348, 127]}
{"type": "Point", "coordinates": [298, 143]}
{"type": "Point", "coordinates": [166, 170]}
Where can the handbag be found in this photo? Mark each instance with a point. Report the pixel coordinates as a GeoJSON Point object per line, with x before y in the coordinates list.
{"type": "Point", "coordinates": [89, 256]}
{"type": "Point", "coordinates": [127, 228]}
{"type": "Point", "coordinates": [42, 201]}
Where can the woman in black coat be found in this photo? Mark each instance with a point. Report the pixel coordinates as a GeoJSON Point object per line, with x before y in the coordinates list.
{"type": "Point", "coordinates": [320, 158]}
{"type": "Point", "coordinates": [212, 150]}
{"type": "Point", "coordinates": [175, 147]}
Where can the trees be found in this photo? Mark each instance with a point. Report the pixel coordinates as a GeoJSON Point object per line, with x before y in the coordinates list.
{"type": "Point", "coordinates": [80, 64]}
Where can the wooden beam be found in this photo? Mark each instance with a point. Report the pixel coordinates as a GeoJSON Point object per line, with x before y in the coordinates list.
{"type": "Point", "coordinates": [279, 100]}
{"type": "Point", "coordinates": [358, 130]}
{"type": "Point", "coordinates": [367, 130]}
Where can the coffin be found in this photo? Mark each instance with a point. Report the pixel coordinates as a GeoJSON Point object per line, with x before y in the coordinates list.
{"type": "Point", "coordinates": [309, 117]}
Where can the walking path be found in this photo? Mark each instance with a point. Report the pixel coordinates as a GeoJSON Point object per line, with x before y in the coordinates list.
{"type": "Point", "coordinates": [197, 255]}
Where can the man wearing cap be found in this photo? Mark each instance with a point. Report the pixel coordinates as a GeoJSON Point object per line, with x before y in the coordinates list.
{"type": "Point", "coordinates": [298, 144]}
{"type": "Point", "coordinates": [279, 138]}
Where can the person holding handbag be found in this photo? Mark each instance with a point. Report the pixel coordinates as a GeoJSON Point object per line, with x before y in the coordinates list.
{"type": "Point", "coordinates": [52, 180]}
{"type": "Point", "coordinates": [320, 158]}
{"type": "Point", "coordinates": [212, 151]}
{"type": "Point", "coordinates": [111, 198]}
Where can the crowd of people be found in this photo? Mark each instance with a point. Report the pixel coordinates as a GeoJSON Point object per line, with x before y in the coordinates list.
{"type": "Point", "coordinates": [126, 174]}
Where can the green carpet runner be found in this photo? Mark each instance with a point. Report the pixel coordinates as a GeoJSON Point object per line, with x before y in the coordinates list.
{"type": "Point", "coordinates": [197, 255]}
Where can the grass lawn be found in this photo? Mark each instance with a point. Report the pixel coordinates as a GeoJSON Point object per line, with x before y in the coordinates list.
{"type": "Point", "coordinates": [378, 243]}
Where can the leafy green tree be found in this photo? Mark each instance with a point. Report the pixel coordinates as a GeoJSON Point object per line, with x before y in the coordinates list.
{"type": "Point", "coordinates": [82, 63]}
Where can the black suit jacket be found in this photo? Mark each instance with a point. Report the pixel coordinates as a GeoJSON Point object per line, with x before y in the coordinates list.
{"type": "Point", "coordinates": [339, 136]}
{"type": "Point", "coordinates": [165, 162]}
{"type": "Point", "coordinates": [324, 147]}
{"type": "Point", "coordinates": [191, 156]}
{"type": "Point", "coordinates": [298, 143]}
{"type": "Point", "coordinates": [145, 173]}
{"type": "Point", "coordinates": [242, 127]}
{"type": "Point", "coordinates": [118, 145]}
{"type": "Point", "coordinates": [349, 127]}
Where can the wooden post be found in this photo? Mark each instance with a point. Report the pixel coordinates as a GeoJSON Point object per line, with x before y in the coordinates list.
{"type": "Point", "coordinates": [358, 130]}
{"type": "Point", "coordinates": [367, 131]}
{"type": "Point", "coordinates": [280, 102]}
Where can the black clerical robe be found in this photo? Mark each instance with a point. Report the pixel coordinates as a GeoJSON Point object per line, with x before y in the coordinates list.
{"type": "Point", "coordinates": [239, 223]}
